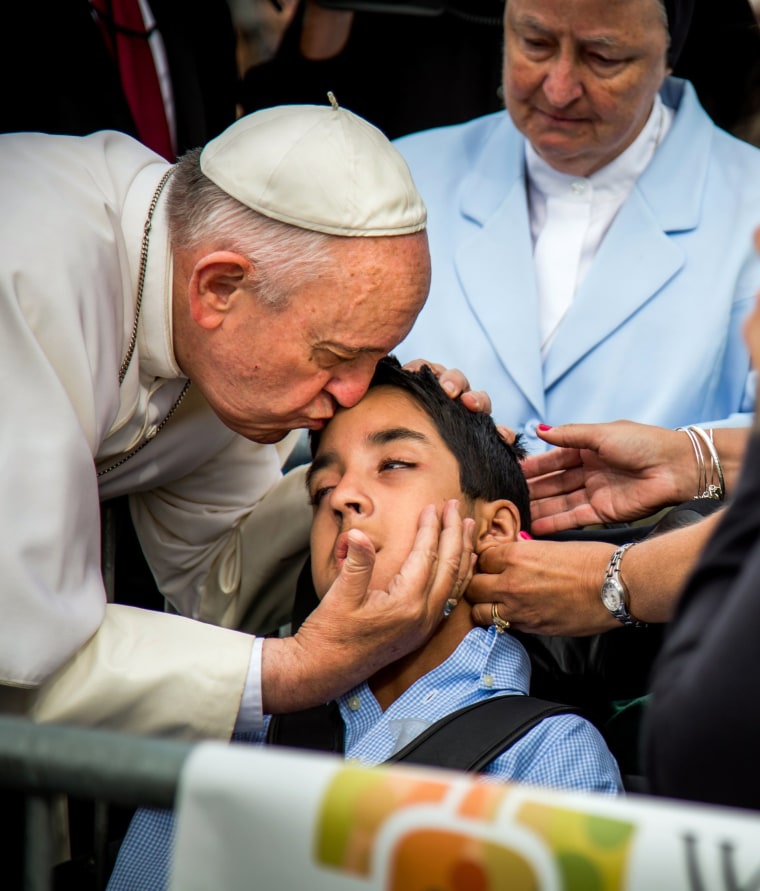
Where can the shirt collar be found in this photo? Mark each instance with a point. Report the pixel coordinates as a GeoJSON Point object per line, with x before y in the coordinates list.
{"type": "Point", "coordinates": [154, 337]}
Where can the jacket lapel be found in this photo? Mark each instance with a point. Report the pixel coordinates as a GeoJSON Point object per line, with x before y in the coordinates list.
{"type": "Point", "coordinates": [638, 256]}
{"type": "Point", "coordinates": [495, 264]}
{"type": "Point", "coordinates": [634, 261]}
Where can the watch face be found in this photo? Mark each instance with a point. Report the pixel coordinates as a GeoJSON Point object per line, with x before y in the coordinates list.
{"type": "Point", "coordinates": [612, 595]}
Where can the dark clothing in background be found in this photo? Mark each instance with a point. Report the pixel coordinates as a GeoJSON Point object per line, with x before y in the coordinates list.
{"type": "Point", "coordinates": [702, 731]}
{"type": "Point", "coordinates": [401, 72]}
{"type": "Point", "coordinates": [721, 57]}
{"type": "Point", "coordinates": [62, 78]}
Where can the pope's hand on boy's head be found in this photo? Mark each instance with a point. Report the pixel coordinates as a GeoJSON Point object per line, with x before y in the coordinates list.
{"type": "Point", "coordinates": [455, 383]}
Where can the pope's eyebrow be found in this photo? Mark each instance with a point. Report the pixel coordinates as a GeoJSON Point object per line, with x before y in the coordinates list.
{"type": "Point", "coordinates": [336, 347]}
{"type": "Point", "coordinates": [379, 437]}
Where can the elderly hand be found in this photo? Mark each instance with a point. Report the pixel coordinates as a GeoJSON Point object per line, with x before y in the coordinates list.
{"type": "Point", "coordinates": [455, 384]}
{"type": "Point", "coordinates": [543, 587]}
{"type": "Point", "coordinates": [357, 630]}
{"type": "Point", "coordinates": [603, 473]}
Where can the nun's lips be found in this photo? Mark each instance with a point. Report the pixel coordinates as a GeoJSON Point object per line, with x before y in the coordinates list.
{"type": "Point", "coordinates": [562, 119]}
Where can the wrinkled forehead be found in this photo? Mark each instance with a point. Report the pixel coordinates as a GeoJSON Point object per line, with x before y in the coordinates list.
{"type": "Point", "coordinates": [608, 14]}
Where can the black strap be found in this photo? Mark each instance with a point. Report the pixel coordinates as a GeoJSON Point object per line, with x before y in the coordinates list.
{"type": "Point", "coordinates": [473, 736]}
{"type": "Point", "coordinates": [319, 728]}
{"type": "Point", "coordinates": [467, 739]}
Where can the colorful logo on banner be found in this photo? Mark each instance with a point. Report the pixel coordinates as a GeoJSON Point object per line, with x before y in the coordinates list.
{"type": "Point", "coordinates": [478, 840]}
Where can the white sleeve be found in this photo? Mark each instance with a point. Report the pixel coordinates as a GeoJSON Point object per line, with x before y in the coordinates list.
{"type": "Point", "coordinates": [51, 597]}
{"type": "Point", "coordinates": [147, 672]}
{"type": "Point", "coordinates": [250, 717]}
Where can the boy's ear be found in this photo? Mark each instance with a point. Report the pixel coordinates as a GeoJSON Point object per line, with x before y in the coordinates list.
{"type": "Point", "coordinates": [499, 521]}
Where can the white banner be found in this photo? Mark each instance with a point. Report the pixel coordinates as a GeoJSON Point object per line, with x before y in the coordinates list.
{"type": "Point", "coordinates": [269, 819]}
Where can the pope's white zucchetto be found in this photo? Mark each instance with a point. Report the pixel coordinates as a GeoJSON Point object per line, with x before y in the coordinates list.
{"type": "Point", "coordinates": [316, 167]}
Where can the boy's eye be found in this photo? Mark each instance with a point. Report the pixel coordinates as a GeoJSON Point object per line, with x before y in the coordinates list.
{"type": "Point", "coordinates": [316, 497]}
{"type": "Point", "coordinates": [394, 464]}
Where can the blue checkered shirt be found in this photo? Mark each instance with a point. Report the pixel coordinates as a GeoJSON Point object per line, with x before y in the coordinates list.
{"type": "Point", "coordinates": [562, 751]}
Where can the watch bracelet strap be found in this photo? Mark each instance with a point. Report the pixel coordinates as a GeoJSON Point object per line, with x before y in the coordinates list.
{"type": "Point", "coordinates": [613, 567]}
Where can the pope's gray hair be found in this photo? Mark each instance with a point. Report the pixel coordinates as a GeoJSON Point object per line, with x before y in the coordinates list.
{"type": "Point", "coordinates": [284, 257]}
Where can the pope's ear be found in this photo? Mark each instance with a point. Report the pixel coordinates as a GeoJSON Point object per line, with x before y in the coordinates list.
{"type": "Point", "coordinates": [216, 281]}
{"type": "Point", "coordinates": [499, 522]}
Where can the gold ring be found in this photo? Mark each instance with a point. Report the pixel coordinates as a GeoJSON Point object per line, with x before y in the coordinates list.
{"type": "Point", "coordinates": [502, 625]}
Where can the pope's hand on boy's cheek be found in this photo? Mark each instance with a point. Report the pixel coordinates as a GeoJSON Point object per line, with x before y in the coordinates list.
{"type": "Point", "coordinates": [356, 629]}
{"type": "Point", "coordinates": [455, 384]}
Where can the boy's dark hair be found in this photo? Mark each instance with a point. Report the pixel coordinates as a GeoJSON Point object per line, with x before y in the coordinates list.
{"type": "Point", "coordinates": [489, 468]}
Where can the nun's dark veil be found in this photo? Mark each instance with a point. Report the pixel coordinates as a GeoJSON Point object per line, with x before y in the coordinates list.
{"type": "Point", "coordinates": [679, 18]}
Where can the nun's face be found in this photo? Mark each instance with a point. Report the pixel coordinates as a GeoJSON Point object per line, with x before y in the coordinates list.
{"type": "Point", "coordinates": [580, 76]}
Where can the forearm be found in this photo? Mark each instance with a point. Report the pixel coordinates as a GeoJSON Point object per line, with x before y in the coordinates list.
{"type": "Point", "coordinates": [731, 444]}
{"type": "Point", "coordinates": [656, 570]}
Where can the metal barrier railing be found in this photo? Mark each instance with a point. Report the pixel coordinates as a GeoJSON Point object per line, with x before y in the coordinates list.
{"type": "Point", "coordinates": [44, 761]}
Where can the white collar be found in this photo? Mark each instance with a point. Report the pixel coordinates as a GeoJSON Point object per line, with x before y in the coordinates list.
{"type": "Point", "coordinates": [155, 349]}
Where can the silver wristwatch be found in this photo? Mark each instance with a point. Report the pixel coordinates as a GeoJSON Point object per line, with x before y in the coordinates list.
{"type": "Point", "coordinates": [614, 594]}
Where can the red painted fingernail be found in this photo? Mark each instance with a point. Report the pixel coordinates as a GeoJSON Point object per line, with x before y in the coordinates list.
{"type": "Point", "coordinates": [526, 536]}
{"type": "Point", "coordinates": [544, 427]}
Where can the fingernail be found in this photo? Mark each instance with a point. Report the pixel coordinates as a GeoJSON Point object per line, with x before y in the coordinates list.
{"type": "Point", "coordinates": [525, 536]}
{"type": "Point", "coordinates": [450, 388]}
{"type": "Point", "coordinates": [544, 427]}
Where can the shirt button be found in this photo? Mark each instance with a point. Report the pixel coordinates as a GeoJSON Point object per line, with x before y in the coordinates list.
{"type": "Point", "coordinates": [579, 186]}
{"type": "Point", "coordinates": [488, 680]}
{"type": "Point", "coordinates": [151, 431]}
{"type": "Point", "coordinates": [354, 703]}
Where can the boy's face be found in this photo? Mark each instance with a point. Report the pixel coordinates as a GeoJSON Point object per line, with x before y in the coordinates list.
{"type": "Point", "coordinates": [378, 465]}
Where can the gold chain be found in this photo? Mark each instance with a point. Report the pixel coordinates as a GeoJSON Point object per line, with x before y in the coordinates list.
{"type": "Point", "coordinates": [133, 337]}
{"type": "Point", "coordinates": [141, 275]}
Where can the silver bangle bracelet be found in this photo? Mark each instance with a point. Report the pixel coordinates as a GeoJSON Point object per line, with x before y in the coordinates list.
{"type": "Point", "coordinates": [713, 490]}
{"type": "Point", "coordinates": [701, 472]}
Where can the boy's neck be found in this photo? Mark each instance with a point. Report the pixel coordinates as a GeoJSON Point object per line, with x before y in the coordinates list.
{"type": "Point", "coordinates": [393, 680]}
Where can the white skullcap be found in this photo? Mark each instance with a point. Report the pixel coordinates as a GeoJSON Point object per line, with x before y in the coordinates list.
{"type": "Point", "coordinates": [318, 167]}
